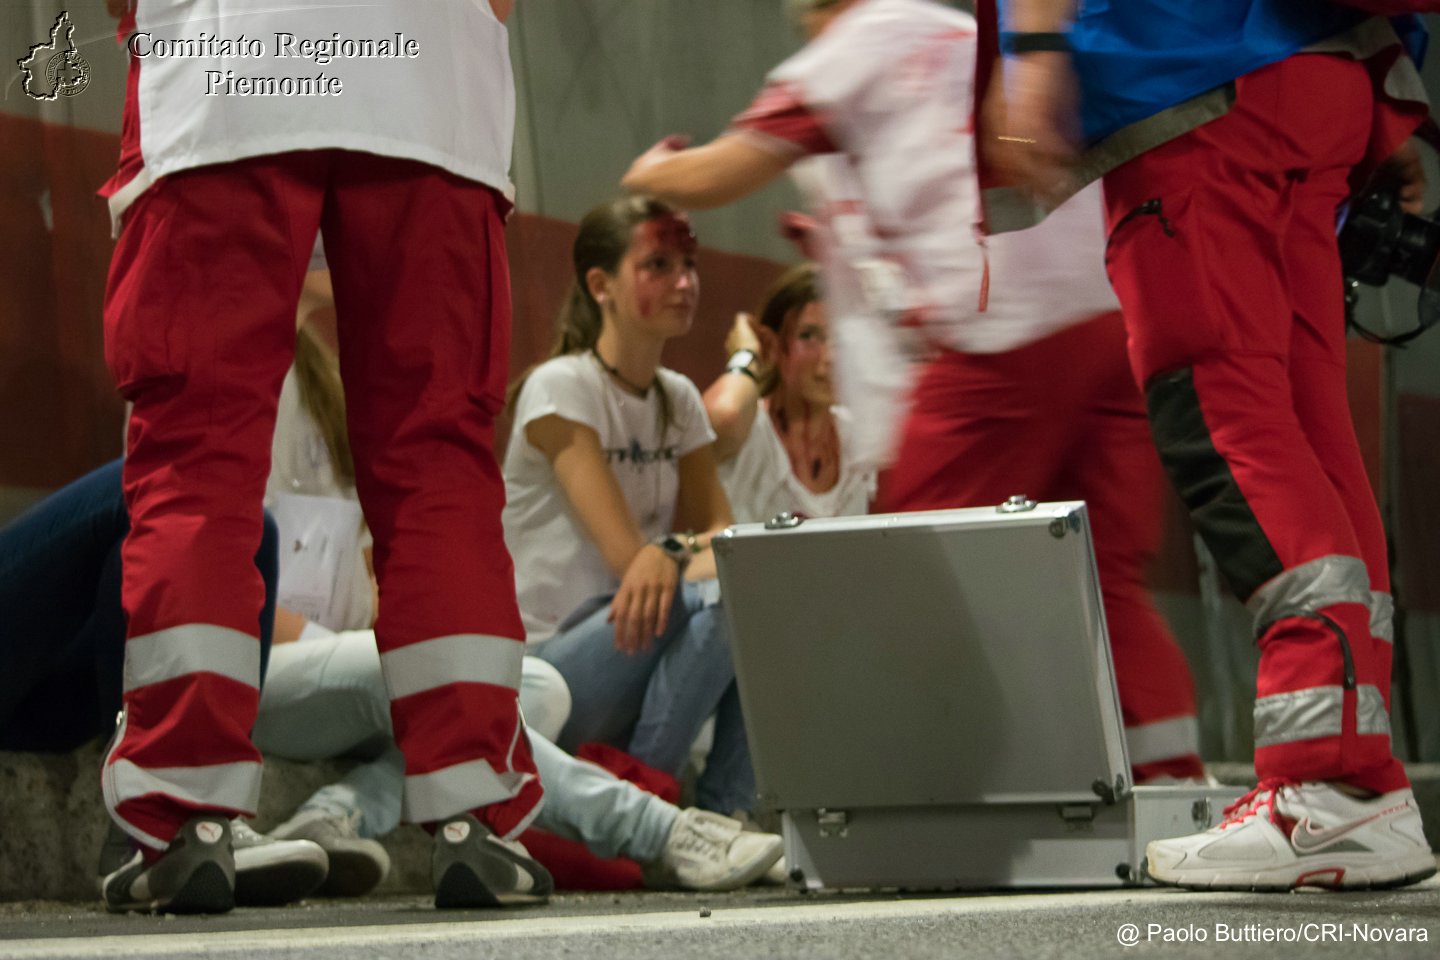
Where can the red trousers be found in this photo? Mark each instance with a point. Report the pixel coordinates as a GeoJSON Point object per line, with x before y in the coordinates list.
{"type": "Point", "coordinates": [200, 329]}
{"type": "Point", "coordinates": [1060, 419]}
{"type": "Point", "coordinates": [1222, 251]}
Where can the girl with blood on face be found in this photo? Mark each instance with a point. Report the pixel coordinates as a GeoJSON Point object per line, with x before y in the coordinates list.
{"type": "Point", "coordinates": [780, 438]}
{"type": "Point", "coordinates": [610, 458]}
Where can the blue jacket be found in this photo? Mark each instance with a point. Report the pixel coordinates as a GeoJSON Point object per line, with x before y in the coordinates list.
{"type": "Point", "coordinates": [1135, 58]}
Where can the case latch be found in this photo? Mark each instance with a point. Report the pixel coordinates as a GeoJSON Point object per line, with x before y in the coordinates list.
{"type": "Point", "coordinates": [833, 823]}
{"type": "Point", "coordinates": [1017, 504]}
{"type": "Point", "coordinates": [784, 521]}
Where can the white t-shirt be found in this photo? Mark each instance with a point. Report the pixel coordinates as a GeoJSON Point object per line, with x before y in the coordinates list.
{"type": "Point", "coordinates": [447, 100]}
{"type": "Point", "coordinates": [760, 483]}
{"type": "Point", "coordinates": [557, 566]}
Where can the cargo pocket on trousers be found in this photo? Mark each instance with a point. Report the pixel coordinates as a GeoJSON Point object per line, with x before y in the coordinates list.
{"type": "Point", "coordinates": [1161, 267]}
{"type": "Point", "coordinates": [148, 301]}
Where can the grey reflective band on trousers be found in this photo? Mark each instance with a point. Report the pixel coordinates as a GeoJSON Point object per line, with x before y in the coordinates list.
{"type": "Point", "coordinates": [1162, 740]}
{"type": "Point", "coordinates": [1317, 712]}
{"type": "Point", "coordinates": [1310, 588]}
{"type": "Point", "coordinates": [1382, 616]}
{"type": "Point", "coordinates": [461, 788]}
{"type": "Point", "coordinates": [188, 649]}
{"type": "Point", "coordinates": [462, 658]}
{"type": "Point", "coordinates": [223, 786]}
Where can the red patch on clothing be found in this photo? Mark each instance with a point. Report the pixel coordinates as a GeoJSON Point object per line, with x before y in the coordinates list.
{"type": "Point", "coordinates": [570, 862]}
{"type": "Point", "coordinates": [778, 111]}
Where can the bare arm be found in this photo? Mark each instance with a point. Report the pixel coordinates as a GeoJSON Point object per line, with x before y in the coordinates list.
{"type": "Point", "coordinates": [700, 178]}
{"type": "Point", "coordinates": [502, 9]}
{"type": "Point", "coordinates": [732, 400]}
{"type": "Point", "coordinates": [1039, 16]}
{"type": "Point", "coordinates": [1035, 140]}
{"type": "Point", "coordinates": [701, 506]}
{"type": "Point", "coordinates": [647, 575]}
{"type": "Point", "coordinates": [575, 455]}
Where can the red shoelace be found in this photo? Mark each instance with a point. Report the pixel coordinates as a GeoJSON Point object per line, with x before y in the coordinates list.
{"type": "Point", "coordinates": [1262, 797]}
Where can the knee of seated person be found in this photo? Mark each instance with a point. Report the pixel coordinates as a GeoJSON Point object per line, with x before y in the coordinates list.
{"type": "Point", "coordinates": [354, 664]}
{"type": "Point", "coordinates": [544, 698]}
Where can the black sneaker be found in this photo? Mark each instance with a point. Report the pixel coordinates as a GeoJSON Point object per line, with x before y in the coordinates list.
{"type": "Point", "coordinates": [195, 874]}
{"type": "Point", "coordinates": [268, 872]}
{"type": "Point", "coordinates": [474, 868]}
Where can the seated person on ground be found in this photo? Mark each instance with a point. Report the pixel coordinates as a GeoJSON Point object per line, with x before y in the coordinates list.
{"type": "Point", "coordinates": [325, 696]}
{"type": "Point", "coordinates": [779, 436]}
{"type": "Point", "coordinates": [612, 497]}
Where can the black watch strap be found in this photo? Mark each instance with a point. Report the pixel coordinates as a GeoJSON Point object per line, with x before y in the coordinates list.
{"type": "Point", "coordinates": [1019, 43]}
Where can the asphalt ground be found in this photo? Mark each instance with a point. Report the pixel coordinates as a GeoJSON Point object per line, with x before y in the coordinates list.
{"type": "Point", "coordinates": [762, 923]}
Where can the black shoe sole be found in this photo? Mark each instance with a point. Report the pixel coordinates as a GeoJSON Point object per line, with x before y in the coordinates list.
{"type": "Point", "coordinates": [277, 884]}
{"type": "Point", "coordinates": [351, 875]}
{"type": "Point", "coordinates": [460, 887]}
{"type": "Point", "coordinates": [207, 890]}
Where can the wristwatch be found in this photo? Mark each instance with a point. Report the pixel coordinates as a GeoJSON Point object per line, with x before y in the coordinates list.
{"type": "Point", "coordinates": [1018, 43]}
{"type": "Point", "coordinates": [742, 361]}
{"type": "Point", "coordinates": [674, 548]}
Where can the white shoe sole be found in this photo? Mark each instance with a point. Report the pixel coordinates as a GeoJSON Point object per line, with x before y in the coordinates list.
{"type": "Point", "coordinates": [1335, 872]}
{"type": "Point", "coordinates": [746, 873]}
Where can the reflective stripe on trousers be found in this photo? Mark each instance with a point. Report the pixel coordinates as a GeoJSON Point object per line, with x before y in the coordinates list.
{"type": "Point", "coordinates": [1162, 740]}
{"type": "Point", "coordinates": [1317, 712]}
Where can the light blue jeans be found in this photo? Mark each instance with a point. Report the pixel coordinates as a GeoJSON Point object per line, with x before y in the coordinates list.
{"type": "Point", "coordinates": [325, 698]}
{"type": "Point", "coordinates": [652, 704]}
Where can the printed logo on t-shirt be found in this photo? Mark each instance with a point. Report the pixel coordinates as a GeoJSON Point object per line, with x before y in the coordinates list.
{"type": "Point", "coordinates": [637, 455]}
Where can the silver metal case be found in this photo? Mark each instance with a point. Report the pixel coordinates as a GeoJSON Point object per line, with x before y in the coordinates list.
{"type": "Point", "coordinates": [931, 702]}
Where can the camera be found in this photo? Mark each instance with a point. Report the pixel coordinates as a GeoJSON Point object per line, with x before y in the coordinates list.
{"type": "Point", "coordinates": [1379, 241]}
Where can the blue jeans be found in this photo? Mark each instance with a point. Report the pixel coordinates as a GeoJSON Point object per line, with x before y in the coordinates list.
{"type": "Point", "coordinates": [652, 704]}
{"type": "Point", "coordinates": [326, 698]}
{"type": "Point", "coordinates": [62, 629]}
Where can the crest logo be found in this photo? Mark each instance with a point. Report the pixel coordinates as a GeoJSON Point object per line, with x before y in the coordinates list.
{"type": "Point", "coordinates": [54, 68]}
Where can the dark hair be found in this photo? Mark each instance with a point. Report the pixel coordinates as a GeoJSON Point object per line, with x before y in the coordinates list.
{"type": "Point", "coordinates": [606, 233]}
{"type": "Point", "coordinates": [796, 289]}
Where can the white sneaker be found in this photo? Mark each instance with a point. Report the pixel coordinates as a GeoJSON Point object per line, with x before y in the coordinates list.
{"type": "Point", "coordinates": [1281, 836]}
{"type": "Point", "coordinates": [357, 865]}
{"type": "Point", "coordinates": [707, 851]}
{"type": "Point", "coordinates": [778, 875]}
{"type": "Point", "coordinates": [269, 873]}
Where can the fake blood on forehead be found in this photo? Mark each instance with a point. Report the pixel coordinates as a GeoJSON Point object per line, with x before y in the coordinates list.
{"type": "Point", "coordinates": [668, 234]}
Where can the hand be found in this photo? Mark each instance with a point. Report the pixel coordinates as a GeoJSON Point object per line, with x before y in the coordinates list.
{"type": "Point", "coordinates": [641, 607]}
{"type": "Point", "coordinates": [1405, 169]}
{"type": "Point", "coordinates": [742, 335]}
{"type": "Point", "coordinates": [1035, 130]}
{"type": "Point", "coordinates": [655, 156]}
{"type": "Point", "coordinates": [800, 229]}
